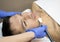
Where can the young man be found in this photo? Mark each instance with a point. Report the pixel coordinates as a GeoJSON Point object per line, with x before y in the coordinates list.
{"type": "Point", "coordinates": [38, 32]}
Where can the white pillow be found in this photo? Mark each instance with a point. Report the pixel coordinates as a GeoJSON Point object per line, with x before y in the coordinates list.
{"type": "Point", "coordinates": [1, 29]}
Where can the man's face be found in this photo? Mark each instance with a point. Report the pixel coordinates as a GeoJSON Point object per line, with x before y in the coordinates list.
{"type": "Point", "coordinates": [20, 23]}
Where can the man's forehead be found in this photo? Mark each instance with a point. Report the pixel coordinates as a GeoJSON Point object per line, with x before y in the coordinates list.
{"type": "Point", "coordinates": [15, 17]}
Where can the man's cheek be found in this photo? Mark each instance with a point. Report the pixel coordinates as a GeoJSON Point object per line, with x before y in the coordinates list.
{"type": "Point", "coordinates": [30, 23]}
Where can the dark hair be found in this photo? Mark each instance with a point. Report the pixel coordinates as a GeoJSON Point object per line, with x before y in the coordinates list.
{"type": "Point", "coordinates": [6, 27]}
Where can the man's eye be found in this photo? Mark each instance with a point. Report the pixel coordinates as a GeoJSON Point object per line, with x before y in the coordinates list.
{"type": "Point", "coordinates": [24, 24]}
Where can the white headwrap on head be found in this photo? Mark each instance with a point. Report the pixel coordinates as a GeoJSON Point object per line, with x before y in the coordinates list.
{"type": "Point", "coordinates": [52, 7]}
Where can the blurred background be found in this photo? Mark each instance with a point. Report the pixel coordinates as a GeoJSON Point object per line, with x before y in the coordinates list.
{"type": "Point", "coordinates": [15, 5]}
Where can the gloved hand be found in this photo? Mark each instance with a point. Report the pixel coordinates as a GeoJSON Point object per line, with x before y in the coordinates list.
{"type": "Point", "coordinates": [39, 31]}
{"type": "Point", "coordinates": [5, 14]}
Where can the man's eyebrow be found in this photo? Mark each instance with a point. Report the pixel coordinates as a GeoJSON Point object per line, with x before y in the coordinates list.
{"type": "Point", "coordinates": [20, 21]}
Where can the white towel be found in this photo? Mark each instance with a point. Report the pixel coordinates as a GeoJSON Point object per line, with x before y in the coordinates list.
{"type": "Point", "coordinates": [1, 29]}
{"type": "Point", "coordinates": [45, 39]}
{"type": "Point", "coordinates": [52, 7]}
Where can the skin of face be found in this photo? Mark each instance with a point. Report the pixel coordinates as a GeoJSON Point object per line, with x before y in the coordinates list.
{"type": "Point", "coordinates": [20, 23]}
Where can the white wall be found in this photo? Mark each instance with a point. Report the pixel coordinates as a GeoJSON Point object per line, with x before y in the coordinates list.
{"type": "Point", "coordinates": [15, 5]}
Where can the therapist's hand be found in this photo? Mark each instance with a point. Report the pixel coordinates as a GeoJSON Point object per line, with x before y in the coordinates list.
{"type": "Point", "coordinates": [39, 31]}
{"type": "Point", "coordinates": [5, 14]}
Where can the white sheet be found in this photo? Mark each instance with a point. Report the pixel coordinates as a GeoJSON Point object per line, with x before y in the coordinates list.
{"type": "Point", "coordinates": [52, 7]}
{"type": "Point", "coordinates": [1, 29]}
{"type": "Point", "coordinates": [45, 39]}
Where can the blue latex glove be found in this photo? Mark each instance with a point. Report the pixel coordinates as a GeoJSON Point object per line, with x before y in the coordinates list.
{"type": "Point", "coordinates": [39, 31]}
{"type": "Point", "coordinates": [5, 14]}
